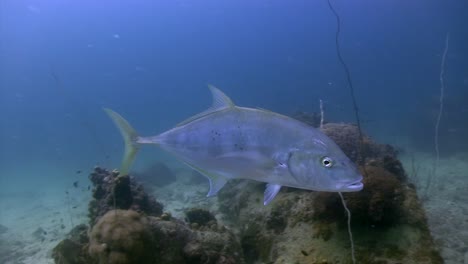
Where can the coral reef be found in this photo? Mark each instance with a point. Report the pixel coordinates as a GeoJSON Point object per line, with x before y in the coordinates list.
{"type": "Point", "coordinates": [378, 204]}
{"type": "Point", "coordinates": [122, 236]}
{"type": "Point", "coordinates": [73, 249]}
{"type": "Point", "coordinates": [141, 233]}
{"type": "Point", "coordinates": [213, 247]}
{"type": "Point", "coordinates": [231, 200]}
{"type": "Point", "coordinates": [388, 222]}
{"type": "Point", "coordinates": [157, 174]}
{"type": "Point", "coordinates": [112, 191]}
{"type": "Point", "coordinates": [199, 216]}
{"type": "Point", "coordinates": [277, 219]}
{"type": "Point", "coordinates": [125, 236]}
{"type": "Point", "coordinates": [256, 244]}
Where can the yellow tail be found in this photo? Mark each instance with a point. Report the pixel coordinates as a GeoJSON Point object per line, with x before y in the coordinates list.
{"type": "Point", "coordinates": [130, 137]}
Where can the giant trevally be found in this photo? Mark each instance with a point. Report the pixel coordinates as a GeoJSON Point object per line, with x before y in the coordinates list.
{"type": "Point", "coordinates": [231, 142]}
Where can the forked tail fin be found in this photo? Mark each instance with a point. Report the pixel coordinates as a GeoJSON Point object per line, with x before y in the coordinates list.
{"type": "Point", "coordinates": [130, 137]}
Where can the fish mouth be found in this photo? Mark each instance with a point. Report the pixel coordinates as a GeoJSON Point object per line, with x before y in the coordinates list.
{"type": "Point", "coordinates": [355, 186]}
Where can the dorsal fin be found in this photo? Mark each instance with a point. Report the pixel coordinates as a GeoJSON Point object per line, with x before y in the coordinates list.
{"type": "Point", "coordinates": [220, 102]}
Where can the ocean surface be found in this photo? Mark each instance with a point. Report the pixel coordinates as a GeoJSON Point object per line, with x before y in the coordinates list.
{"type": "Point", "coordinates": [62, 61]}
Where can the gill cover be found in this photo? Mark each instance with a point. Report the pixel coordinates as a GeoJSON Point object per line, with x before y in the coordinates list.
{"type": "Point", "coordinates": [298, 165]}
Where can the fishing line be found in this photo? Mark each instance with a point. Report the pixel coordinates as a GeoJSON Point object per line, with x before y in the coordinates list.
{"type": "Point", "coordinates": [348, 75]}
{"type": "Point", "coordinates": [356, 113]}
{"type": "Point", "coordinates": [439, 115]}
{"type": "Point", "coordinates": [353, 257]}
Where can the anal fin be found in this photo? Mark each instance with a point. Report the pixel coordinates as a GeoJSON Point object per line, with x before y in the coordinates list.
{"type": "Point", "coordinates": [216, 183]}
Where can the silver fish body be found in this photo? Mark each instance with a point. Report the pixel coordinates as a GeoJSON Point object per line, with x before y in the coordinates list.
{"type": "Point", "coordinates": [230, 142]}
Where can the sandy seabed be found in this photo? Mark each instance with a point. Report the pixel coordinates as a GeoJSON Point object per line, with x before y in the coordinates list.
{"type": "Point", "coordinates": [445, 201]}
{"type": "Point", "coordinates": [35, 216]}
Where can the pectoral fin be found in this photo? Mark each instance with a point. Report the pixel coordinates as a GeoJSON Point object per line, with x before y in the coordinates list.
{"type": "Point", "coordinates": [270, 192]}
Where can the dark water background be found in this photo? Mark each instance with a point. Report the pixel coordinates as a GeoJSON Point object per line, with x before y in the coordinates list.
{"type": "Point", "coordinates": [61, 61]}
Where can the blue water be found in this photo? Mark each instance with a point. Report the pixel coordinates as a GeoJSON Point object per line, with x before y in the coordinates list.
{"type": "Point", "coordinates": [61, 61]}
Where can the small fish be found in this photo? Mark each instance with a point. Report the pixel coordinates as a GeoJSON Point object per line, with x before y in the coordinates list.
{"type": "Point", "coordinates": [231, 142]}
{"type": "Point", "coordinates": [75, 184]}
{"type": "Point", "coordinates": [78, 171]}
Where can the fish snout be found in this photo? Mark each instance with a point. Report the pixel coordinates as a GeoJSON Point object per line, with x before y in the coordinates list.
{"type": "Point", "coordinates": [354, 178]}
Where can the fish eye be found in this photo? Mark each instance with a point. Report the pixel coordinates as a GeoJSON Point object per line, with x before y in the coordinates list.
{"type": "Point", "coordinates": [327, 162]}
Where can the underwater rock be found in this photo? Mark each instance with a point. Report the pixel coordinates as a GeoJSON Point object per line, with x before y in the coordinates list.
{"type": "Point", "coordinates": [73, 249]}
{"type": "Point", "coordinates": [199, 216]}
{"type": "Point", "coordinates": [112, 190]}
{"type": "Point", "coordinates": [157, 174]}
